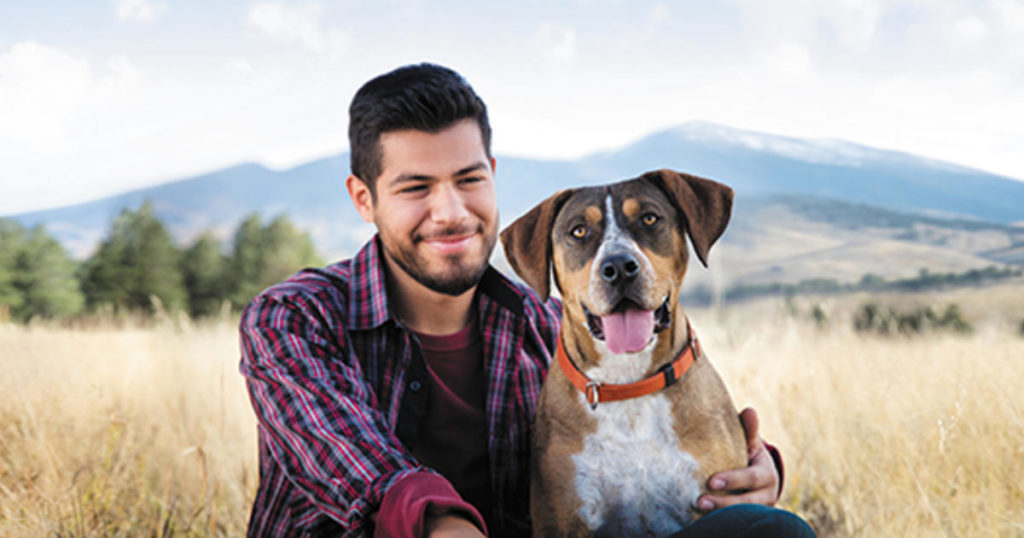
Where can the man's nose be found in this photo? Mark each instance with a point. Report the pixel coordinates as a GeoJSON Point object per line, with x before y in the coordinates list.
{"type": "Point", "coordinates": [448, 204]}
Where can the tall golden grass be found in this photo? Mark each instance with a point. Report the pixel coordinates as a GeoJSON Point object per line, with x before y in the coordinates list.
{"type": "Point", "coordinates": [147, 430]}
{"type": "Point", "coordinates": [124, 431]}
{"type": "Point", "coordinates": [887, 436]}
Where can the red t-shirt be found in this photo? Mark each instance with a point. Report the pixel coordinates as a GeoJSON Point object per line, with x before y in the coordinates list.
{"type": "Point", "coordinates": [452, 440]}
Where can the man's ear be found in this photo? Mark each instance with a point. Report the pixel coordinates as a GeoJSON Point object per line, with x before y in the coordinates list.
{"type": "Point", "coordinates": [704, 204]}
{"type": "Point", "coordinates": [361, 196]}
{"type": "Point", "coordinates": [527, 243]}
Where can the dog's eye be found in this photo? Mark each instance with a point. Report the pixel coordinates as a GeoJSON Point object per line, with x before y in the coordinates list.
{"type": "Point", "coordinates": [649, 219]}
{"type": "Point", "coordinates": [579, 231]}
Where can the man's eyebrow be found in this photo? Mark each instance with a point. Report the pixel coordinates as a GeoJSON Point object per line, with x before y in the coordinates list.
{"type": "Point", "coordinates": [478, 166]}
{"type": "Point", "coordinates": [406, 178]}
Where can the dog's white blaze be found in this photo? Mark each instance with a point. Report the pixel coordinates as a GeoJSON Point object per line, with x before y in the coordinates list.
{"type": "Point", "coordinates": [632, 474]}
{"type": "Point", "coordinates": [627, 367]}
{"type": "Point", "coordinates": [615, 239]}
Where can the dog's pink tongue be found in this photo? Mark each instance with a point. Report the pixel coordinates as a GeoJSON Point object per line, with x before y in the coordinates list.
{"type": "Point", "coordinates": [628, 331]}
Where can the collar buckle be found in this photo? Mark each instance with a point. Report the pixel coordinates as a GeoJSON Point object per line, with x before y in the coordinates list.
{"type": "Point", "coordinates": [592, 394]}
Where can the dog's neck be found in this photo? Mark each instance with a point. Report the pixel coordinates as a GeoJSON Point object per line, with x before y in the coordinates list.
{"type": "Point", "coordinates": [594, 359]}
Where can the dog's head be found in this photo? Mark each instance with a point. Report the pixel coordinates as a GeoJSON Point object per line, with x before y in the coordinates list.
{"type": "Point", "coordinates": [618, 252]}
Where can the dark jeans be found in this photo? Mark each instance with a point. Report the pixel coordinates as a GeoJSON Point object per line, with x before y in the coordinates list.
{"type": "Point", "coordinates": [748, 521]}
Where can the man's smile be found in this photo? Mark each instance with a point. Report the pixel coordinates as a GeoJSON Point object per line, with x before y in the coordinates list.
{"type": "Point", "coordinates": [450, 244]}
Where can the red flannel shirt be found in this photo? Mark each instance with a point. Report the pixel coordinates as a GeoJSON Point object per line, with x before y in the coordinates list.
{"type": "Point", "coordinates": [335, 380]}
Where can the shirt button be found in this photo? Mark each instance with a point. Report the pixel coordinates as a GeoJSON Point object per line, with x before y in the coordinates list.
{"type": "Point", "coordinates": [415, 386]}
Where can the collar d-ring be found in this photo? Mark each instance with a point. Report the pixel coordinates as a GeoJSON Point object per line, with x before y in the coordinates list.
{"type": "Point", "coordinates": [592, 394]}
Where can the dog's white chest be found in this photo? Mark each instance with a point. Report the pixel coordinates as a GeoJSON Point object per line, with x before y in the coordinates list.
{"type": "Point", "coordinates": [632, 476]}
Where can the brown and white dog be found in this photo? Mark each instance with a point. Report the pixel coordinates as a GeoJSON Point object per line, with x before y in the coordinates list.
{"type": "Point", "coordinates": [632, 418]}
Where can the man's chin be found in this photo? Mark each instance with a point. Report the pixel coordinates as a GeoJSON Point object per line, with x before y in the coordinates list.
{"type": "Point", "coordinates": [455, 281]}
{"type": "Point", "coordinates": [450, 275]}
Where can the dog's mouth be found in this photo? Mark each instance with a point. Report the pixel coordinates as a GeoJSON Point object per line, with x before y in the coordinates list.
{"type": "Point", "coordinates": [628, 328]}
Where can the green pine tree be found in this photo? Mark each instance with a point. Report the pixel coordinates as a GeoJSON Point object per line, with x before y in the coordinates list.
{"type": "Point", "coordinates": [246, 261]}
{"type": "Point", "coordinates": [11, 237]}
{"type": "Point", "coordinates": [203, 267]}
{"type": "Point", "coordinates": [45, 276]}
{"type": "Point", "coordinates": [262, 256]}
{"type": "Point", "coordinates": [135, 263]}
{"type": "Point", "coordinates": [287, 249]}
{"type": "Point", "coordinates": [37, 277]}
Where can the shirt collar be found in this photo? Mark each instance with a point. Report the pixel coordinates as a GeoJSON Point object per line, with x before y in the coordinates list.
{"type": "Point", "coordinates": [367, 294]}
{"type": "Point", "coordinates": [368, 304]}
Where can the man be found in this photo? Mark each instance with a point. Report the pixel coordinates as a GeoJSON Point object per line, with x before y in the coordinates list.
{"type": "Point", "coordinates": [395, 390]}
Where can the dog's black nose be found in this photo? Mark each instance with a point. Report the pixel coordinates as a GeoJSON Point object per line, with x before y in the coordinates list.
{"type": "Point", "coordinates": [619, 268]}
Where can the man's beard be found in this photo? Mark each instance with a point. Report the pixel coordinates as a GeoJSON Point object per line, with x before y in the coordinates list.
{"type": "Point", "coordinates": [454, 281]}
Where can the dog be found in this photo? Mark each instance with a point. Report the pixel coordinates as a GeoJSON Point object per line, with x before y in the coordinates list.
{"type": "Point", "coordinates": [632, 418]}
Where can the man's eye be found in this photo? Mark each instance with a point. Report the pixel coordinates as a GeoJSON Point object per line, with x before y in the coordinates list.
{"type": "Point", "coordinates": [472, 179]}
{"type": "Point", "coordinates": [649, 219]}
{"type": "Point", "coordinates": [414, 189]}
{"type": "Point", "coordinates": [579, 231]}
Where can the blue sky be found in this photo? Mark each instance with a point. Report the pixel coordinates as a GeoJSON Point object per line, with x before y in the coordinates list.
{"type": "Point", "coordinates": [99, 97]}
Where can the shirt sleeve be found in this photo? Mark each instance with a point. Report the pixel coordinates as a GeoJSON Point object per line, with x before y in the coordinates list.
{"type": "Point", "coordinates": [407, 503]}
{"type": "Point", "coordinates": [317, 413]}
{"type": "Point", "coordinates": [777, 459]}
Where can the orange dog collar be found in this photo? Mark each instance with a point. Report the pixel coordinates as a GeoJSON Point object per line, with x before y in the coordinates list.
{"type": "Point", "coordinates": [597, 392]}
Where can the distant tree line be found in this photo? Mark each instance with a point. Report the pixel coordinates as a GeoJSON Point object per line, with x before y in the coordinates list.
{"type": "Point", "coordinates": [138, 266]}
{"type": "Point", "coordinates": [925, 280]}
{"type": "Point", "coordinates": [873, 317]}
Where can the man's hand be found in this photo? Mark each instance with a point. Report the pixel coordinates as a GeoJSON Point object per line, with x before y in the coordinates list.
{"type": "Point", "coordinates": [450, 526]}
{"type": "Point", "coordinates": [758, 483]}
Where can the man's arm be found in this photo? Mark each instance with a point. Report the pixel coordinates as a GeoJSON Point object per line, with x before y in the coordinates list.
{"type": "Point", "coordinates": [451, 526]}
{"type": "Point", "coordinates": [317, 412]}
{"type": "Point", "coordinates": [759, 483]}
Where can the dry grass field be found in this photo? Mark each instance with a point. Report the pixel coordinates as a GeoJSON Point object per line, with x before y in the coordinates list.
{"type": "Point", "coordinates": [146, 430]}
{"type": "Point", "coordinates": [124, 431]}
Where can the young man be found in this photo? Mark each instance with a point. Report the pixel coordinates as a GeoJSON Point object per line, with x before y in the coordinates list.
{"type": "Point", "coordinates": [395, 390]}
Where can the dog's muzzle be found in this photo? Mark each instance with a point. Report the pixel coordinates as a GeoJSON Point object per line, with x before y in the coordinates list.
{"type": "Point", "coordinates": [662, 317]}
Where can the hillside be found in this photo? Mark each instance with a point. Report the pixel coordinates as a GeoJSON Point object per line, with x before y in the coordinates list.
{"type": "Point", "coordinates": [804, 208]}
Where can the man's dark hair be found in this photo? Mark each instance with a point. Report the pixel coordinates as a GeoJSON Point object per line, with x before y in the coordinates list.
{"type": "Point", "coordinates": [425, 97]}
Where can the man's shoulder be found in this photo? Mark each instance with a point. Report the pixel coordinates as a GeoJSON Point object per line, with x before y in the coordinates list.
{"type": "Point", "coordinates": [541, 319]}
{"type": "Point", "coordinates": [532, 305]}
{"type": "Point", "coordinates": [317, 287]}
{"type": "Point", "coordinates": [535, 307]}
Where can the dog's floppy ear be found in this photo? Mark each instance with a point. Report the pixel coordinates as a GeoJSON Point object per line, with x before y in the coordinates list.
{"type": "Point", "coordinates": [705, 205]}
{"type": "Point", "coordinates": [527, 243]}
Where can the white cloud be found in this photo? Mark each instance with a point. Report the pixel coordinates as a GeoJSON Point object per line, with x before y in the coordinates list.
{"type": "Point", "coordinates": [1010, 13]}
{"type": "Point", "coordinates": [140, 10]}
{"type": "Point", "coordinates": [46, 92]}
{"type": "Point", "coordinates": [299, 25]}
{"type": "Point", "coordinates": [852, 24]}
{"type": "Point", "coordinates": [53, 103]}
{"type": "Point", "coordinates": [556, 43]}
{"type": "Point", "coordinates": [971, 30]}
{"type": "Point", "coordinates": [238, 66]}
{"type": "Point", "coordinates": [789, 59]}
{"type": "Point", "coordinates": [40, 90]}
{"type": "Point", "coordinates": [660, 11]}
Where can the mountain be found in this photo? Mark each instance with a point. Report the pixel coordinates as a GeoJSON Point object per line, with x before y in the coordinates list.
{"type": "Point", "coordinates": [804, 208]}
{"type": "Point", "coordinates": [757, 164]}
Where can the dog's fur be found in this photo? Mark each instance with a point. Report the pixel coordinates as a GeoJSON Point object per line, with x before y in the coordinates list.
{"type": "Point", "coordinates": [633, 467]}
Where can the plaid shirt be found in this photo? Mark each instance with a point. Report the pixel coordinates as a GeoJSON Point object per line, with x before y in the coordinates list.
{"type": "Point", "coordinates": [329, 366]}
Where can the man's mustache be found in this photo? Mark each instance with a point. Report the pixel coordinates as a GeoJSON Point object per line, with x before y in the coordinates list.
{"type": "Point", "coordinates": [448, 232]}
